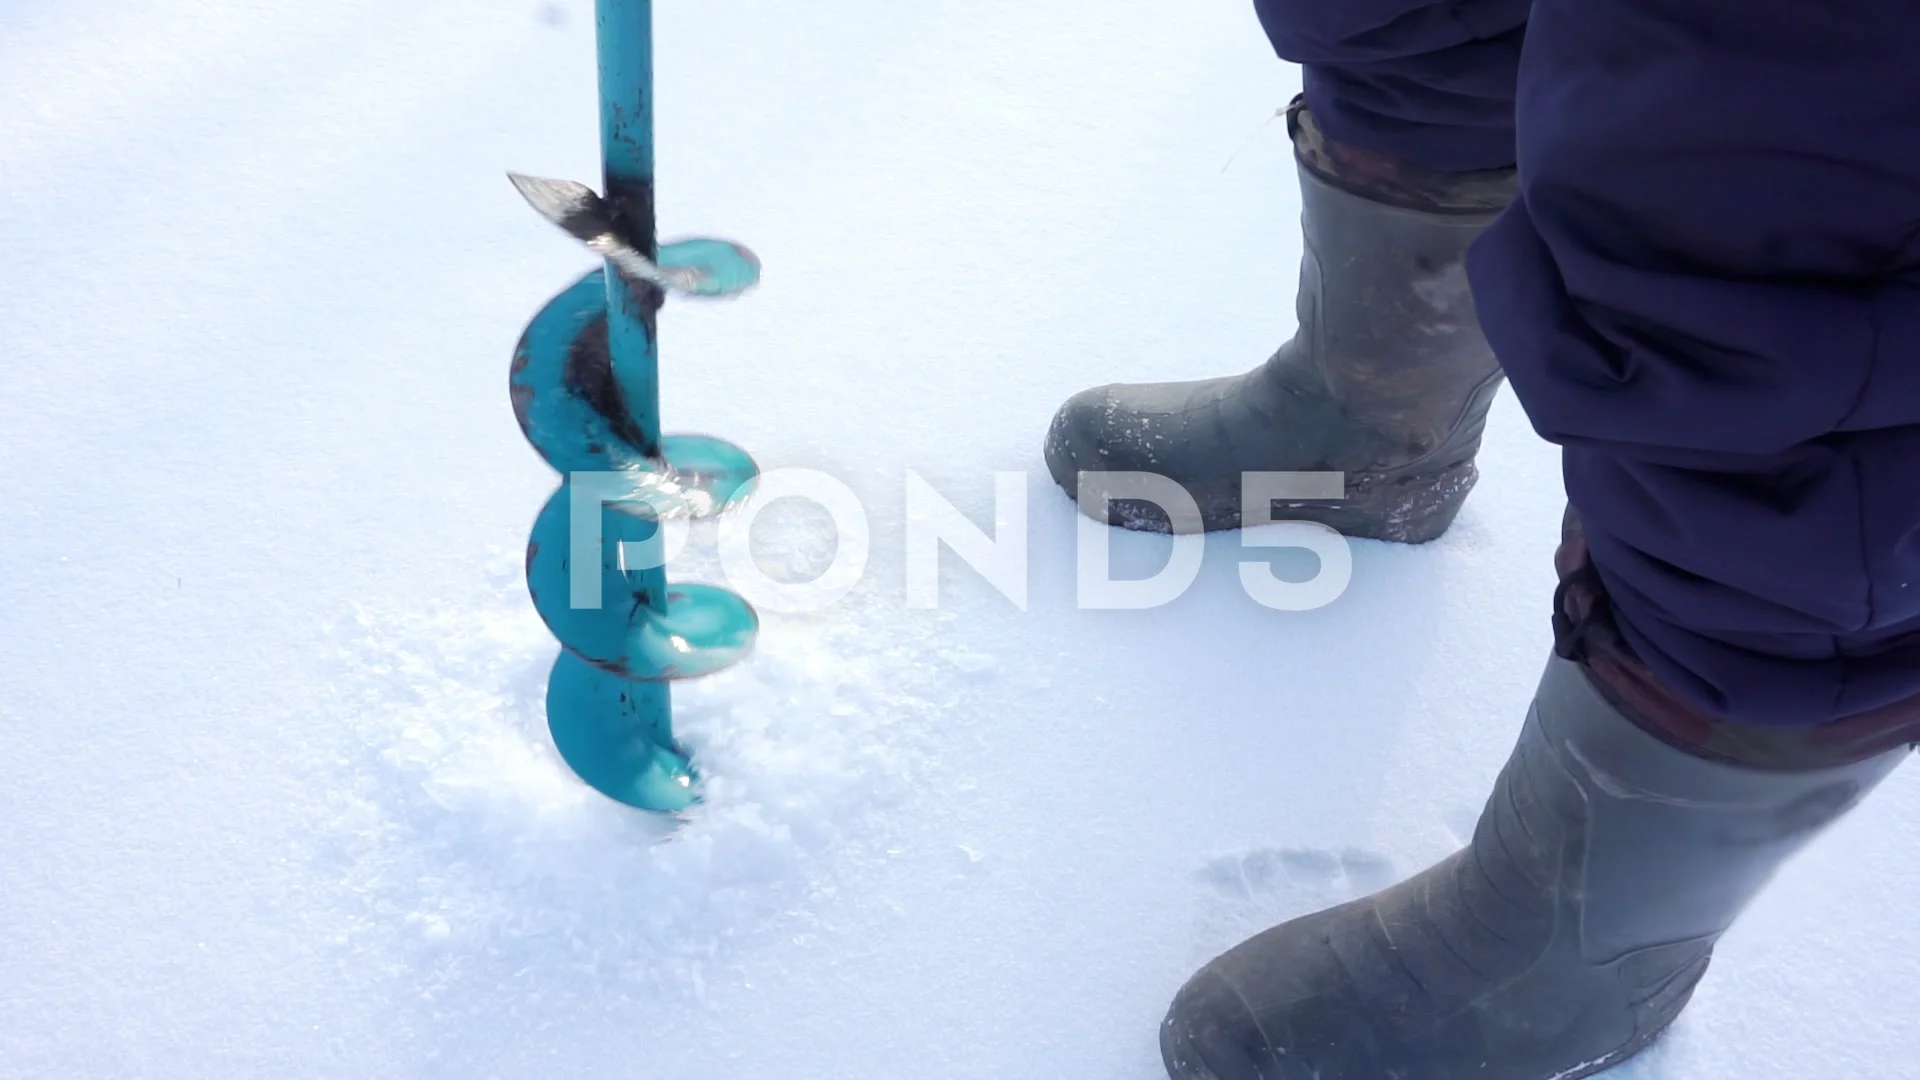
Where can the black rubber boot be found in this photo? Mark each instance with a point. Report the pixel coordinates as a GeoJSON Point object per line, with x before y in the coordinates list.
{"type": "Point", "coordinates": [1566, 937]}
{"type": "Point", "coordinates": [1387, 380]}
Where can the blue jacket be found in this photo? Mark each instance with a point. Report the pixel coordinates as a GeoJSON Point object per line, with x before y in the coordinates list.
{"type": "Point", "coordinates": [1708, 294]}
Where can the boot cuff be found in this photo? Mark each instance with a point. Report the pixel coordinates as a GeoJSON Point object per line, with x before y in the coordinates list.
{"type": "Point", "coordinates": [1383, 178]}
{"type": "Point", "coordinates": [1586, 633]}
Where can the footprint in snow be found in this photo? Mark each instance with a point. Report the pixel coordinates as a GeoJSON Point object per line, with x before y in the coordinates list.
{"type": "Point", "coordinates": [1248, 892]}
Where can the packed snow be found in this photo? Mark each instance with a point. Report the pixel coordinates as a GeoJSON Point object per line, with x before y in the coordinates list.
{"type": "Point", "coordinates": [276, 794]}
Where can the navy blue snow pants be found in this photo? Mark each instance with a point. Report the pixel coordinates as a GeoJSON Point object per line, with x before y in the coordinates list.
{"type": "Point", "coordinates": [1708, 294]}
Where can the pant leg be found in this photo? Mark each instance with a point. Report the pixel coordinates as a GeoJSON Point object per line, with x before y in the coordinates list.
{"type": "Point", "coordinates": [1709, 295]}
{"type": "Point", "coordinates": [1430, 81]}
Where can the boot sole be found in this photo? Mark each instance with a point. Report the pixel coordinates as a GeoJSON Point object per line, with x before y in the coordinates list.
{"type": "Point", "coordinates": [1403, 510]}
{"type": "Point", "coordinates": [1182, 1063]}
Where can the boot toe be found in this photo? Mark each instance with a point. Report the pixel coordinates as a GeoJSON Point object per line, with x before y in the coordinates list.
{"type": "Point", "coordinates": [1075, 442]}
{"type": "Point", "coordinates": [1211, 1034]}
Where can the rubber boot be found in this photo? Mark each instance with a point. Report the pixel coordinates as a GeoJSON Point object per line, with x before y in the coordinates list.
{"type": "Point", "coordinates": [1387, 380]}
{"type": "Point", "coordinates": [1565, 938]}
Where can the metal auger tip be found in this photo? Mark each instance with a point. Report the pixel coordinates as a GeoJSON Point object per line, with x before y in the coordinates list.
{"type": "Point", "coordinates": [698, 267]}
{"type": "Point", "coordinates": [572, 206]}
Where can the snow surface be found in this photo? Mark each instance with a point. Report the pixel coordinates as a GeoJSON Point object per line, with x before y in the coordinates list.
{"type": "Point", "coordinates": [276, 798]}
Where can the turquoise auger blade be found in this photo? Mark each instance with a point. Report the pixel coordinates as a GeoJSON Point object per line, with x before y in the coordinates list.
{"type": "Point", "coordinates": [586, 389]}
